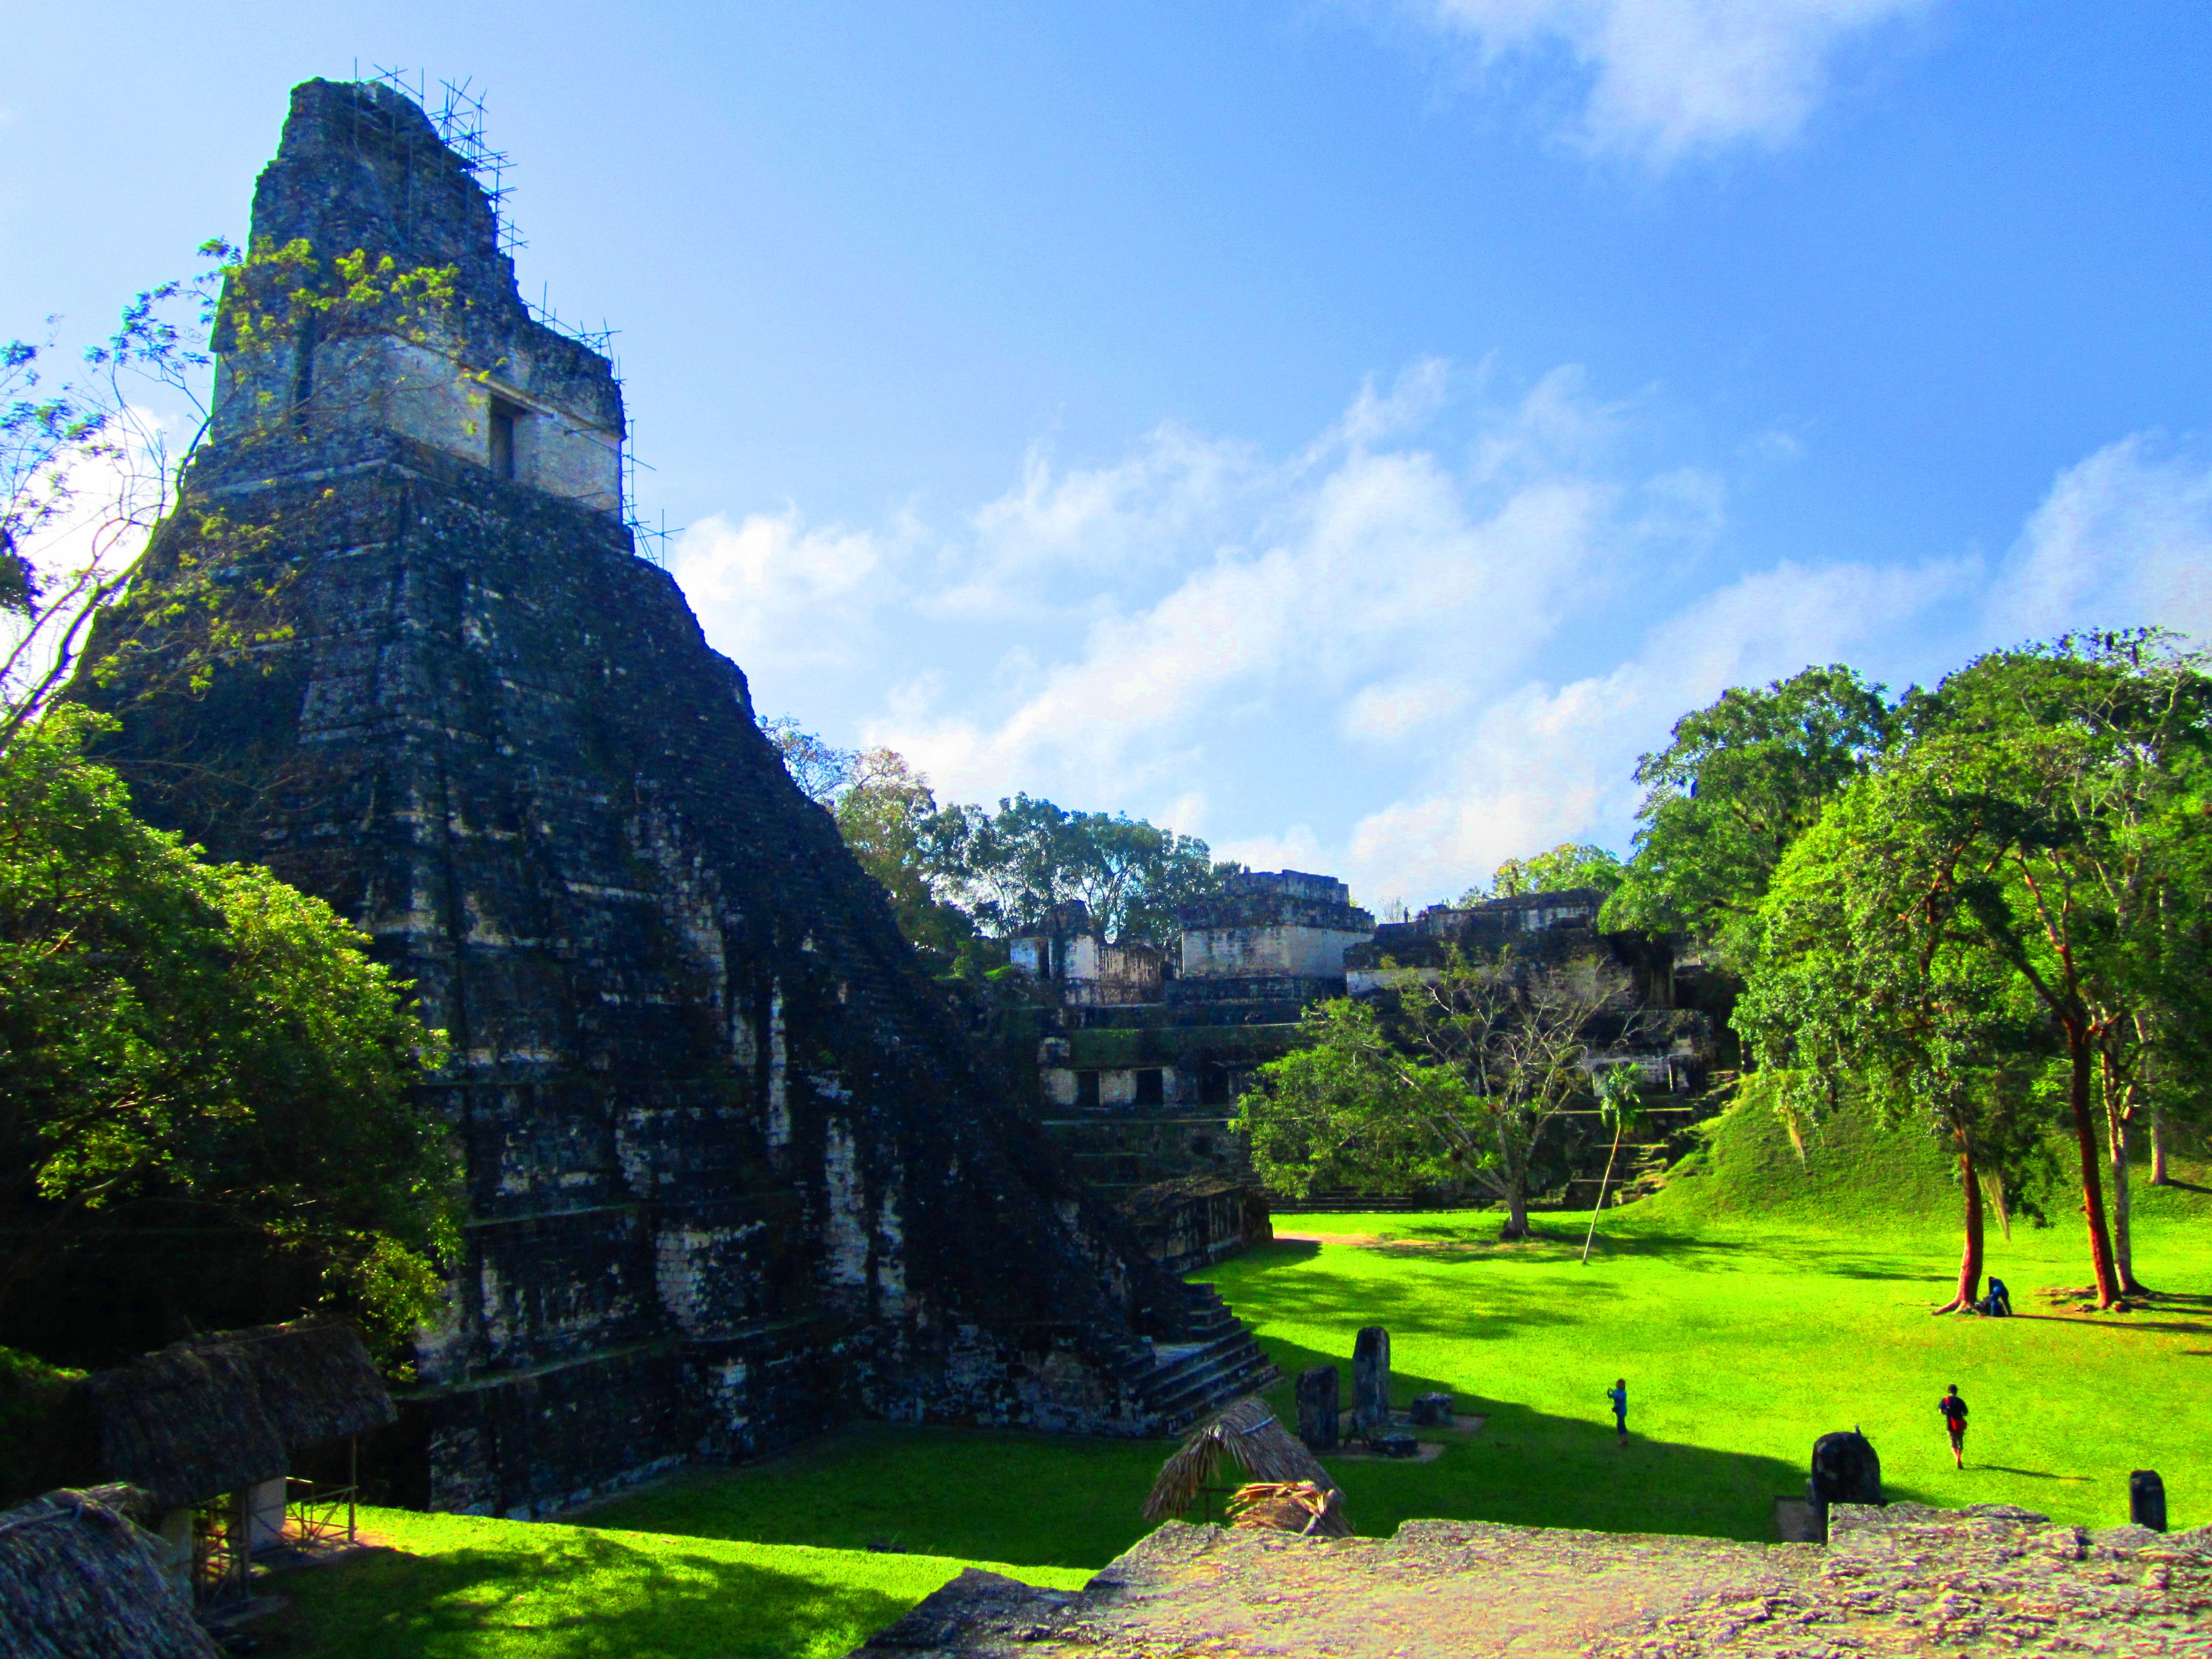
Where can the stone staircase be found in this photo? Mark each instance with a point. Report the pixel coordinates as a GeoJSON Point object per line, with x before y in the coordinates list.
{"type": "Point", "coordinates": [1212, 1361]}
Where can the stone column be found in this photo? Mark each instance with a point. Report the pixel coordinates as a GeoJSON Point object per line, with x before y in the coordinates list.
{"type": "Point", "coordinates": [265, 1515]}
{"type": "Point", "coordinates": [1371, 1379]}
{"type": "Point", "coordinates": [1318, 1408]}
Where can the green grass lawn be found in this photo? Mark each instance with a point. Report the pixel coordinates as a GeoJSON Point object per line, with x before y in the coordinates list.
{"type": "Point", "coordinates": [466, 1586]}
{"type": "Point", "coordinates": [1758, 1302]}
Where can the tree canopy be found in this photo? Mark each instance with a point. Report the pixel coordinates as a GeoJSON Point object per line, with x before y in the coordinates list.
{"type": "Point", "coordinates": [956, 873]}
{"type": "Point", "coordinates": [2023, 873]}
{"type": "Point", "coordinates": [1741, 779]}
{"type": "Point", "coordinates": [1569, 866]}
{"type": "Point", "coordinates": [1451, 1078]}
{"type": "Point", "coordinates": [197, 1064]}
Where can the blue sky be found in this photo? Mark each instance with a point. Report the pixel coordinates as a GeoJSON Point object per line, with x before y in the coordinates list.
{"type": "Point", "coordinates": [1351, 432]}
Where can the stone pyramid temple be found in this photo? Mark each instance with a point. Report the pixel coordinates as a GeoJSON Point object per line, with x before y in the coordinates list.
{"type": "Point", "coordinates": [734, 1171]}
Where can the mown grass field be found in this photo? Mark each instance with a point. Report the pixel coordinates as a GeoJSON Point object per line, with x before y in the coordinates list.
{"type": "Point", "coordinates": [466, 1586]}
{"type": "Point", "coordinates": [1758, 1302]}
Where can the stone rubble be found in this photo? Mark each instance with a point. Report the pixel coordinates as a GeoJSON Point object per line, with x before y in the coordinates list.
{"type": "Point", "coordinates": [1905, 1579]}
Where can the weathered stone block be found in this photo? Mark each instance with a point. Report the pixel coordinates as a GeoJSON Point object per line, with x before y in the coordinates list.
{"type": "Point", "coordinates": [2146, 1500]}
{"type": "Point", "coordinates": [1370, 1378]}
{"type": "Point", "coordinates": [1433, 1409]}
{"type": "Point", "coordinates": [1318, 1408]}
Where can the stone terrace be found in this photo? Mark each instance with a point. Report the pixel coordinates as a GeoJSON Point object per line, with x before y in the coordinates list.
{"type": "Point", "coordinates": [1904, 1579]}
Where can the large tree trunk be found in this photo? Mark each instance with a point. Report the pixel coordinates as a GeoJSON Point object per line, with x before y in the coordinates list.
{"type": "Point", "coordinates": [1516, 1211]}
{"type": "Point", "coordinates": [2093, 1192]}
{"type": "Point", "coordinates": [2159, 1174]}
{"type": "Point", "coordinates": [1970, 1258]}
{"type": "Point", "coordinates": [2124, 1249]}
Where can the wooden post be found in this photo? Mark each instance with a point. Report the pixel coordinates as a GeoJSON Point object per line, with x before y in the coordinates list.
{"type": "Point", "coordinates": [353, 1481]}
{"type": "Point", "coordinates": [1607, 1181]}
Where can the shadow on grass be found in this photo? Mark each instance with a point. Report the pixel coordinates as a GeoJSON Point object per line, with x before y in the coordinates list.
{"type": "Point", "coordinates": [1450, 1243]}
{"type": "Point", "coordinates": [2035, 1474]}
{"type": "Point", "coordinates": [1032, 1499]}
{"type": "Point", "coordinates": [591, 1596]}
{"type": "Point", "coordinates": [1532, 1468]}
{"type": "Point", "coordinates": [2120, 1322]}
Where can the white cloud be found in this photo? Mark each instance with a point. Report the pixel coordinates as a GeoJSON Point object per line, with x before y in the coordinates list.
{"type": "Point", "coordinates": [1384, 656]}
{"type": "Point", "coordinates": [1352, 565]}
{"type": "Point", "coordinates": [1670, 78]}
{"type": "Point", "coordinates": [771, 590]}
{"type": "Point", "coordinates": [1543, 765]}
{"type": "Point", "coordinates": [2123, 540]}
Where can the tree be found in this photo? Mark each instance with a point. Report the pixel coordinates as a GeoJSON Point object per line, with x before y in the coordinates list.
{"type": "Point", "coordinates": [1567, 866]}
{"type": "Point", "coordinates": [1454, 1079]}
{"type": "Point", "coordinates": [1019, 864]}
{"type": "Point", "coordinates": [1741, 780]}
{"type": "Point", "coordinates": [1870, 983]}
{"type": "Point", "coordinates": [1619, 1108]}
{"type": "Point", "coordinates": [2071, 779]}
{"type": "Point", "coordinates": [87, 471]}
{"type": "Point", "coordinates": [822, 770]}
{"type": "Point", "coordinates": [888, 816]}
{"type": "Point", "coordinates": [2023, 873]}
{"type": "Point", "coordinates": [199, 1053]}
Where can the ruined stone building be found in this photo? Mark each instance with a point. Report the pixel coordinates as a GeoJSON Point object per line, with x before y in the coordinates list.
{"type": "Point", "coordinates": [1675, 1054]}
{"type": "Point", "coordinates": [730, 1171]}
{"type": "Point", "coordinates": [1137, 1055]}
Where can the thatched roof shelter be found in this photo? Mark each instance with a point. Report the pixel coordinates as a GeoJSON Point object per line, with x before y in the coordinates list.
{"type": "Point", "coordinates": [220, 1413]}
{"type": "Point", "coordinates": [79, 1579]}
{"type": "Point", "coordinates": [1248, 1434]}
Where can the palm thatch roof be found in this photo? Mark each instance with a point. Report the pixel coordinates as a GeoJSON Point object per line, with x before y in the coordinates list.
{"type": "Point", "coordinates": [220, 1413]}
{"type": "Point", "coordinates": [1296, 1506]}
{"type": "Point", "coordinates": [1248, 1434]}
{"type": "Point", "coordinates": [80, 1580]}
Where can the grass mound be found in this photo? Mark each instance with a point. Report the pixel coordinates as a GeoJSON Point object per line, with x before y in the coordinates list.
{"type": "Point", "coordinates": [1848, 1170]}
{"type": "Point", "coordinates": [467, 1587]}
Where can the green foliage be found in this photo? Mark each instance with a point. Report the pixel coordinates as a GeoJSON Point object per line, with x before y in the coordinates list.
{"type": "Point", "coordinates": [1570, 865]}
{"type": "Point", "coordinates": [86, 454]}
{"type": "Point", "coordinates": [889, 817]}
{"type": "Point", "coordinates": [31, 1392]}
{"type": "Point", "coordinates": [1741, 780]}
{"type": "Point", "coordinates": [180, 1039]}
{"type": "Point", "coordinates": [470, 1586]}
{"type": "Point", "coordinates": [278, 293]}
{"type": "Point", "coordinates": [2021, 877]}
{"type": "Point", "coordinates": [1350, 1108]}
{"type": "Point", "coordinates": [1029, 857]}
{"type": "Point", "coordinates": [961, 877]}
{"type": "Point", "coordinates": [1865, 986]}
{"type": "Point", "coordinates": [1454, 1081]}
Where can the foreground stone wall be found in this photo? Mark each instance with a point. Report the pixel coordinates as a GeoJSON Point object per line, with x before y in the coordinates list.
{"type": "Point", "coordinates": [1906, 1579]}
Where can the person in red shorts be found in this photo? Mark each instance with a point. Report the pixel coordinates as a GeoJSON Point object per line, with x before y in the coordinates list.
{"type": "Point", "coordinates": [1954, 1418]}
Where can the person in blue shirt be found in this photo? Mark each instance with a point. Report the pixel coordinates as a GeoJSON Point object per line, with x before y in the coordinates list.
{"type": "Point", "coordinates": [1619, 1394]}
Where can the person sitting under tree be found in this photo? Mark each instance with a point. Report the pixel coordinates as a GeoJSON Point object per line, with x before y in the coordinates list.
{"type": "Point", "coordinates": [1954, 1418]}
{"type": "Point", "coordinates": [1619, 1394]}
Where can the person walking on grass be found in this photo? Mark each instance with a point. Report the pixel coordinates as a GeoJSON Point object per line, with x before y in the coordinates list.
{"type": "Point", "coordinates": [1954, 1418]}
{"type": "Point", "coordinates": [1619, 1394]}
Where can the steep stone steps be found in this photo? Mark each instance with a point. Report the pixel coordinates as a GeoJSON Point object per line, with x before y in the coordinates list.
{"type": "Point", "coordinates": [1213, 1360]}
